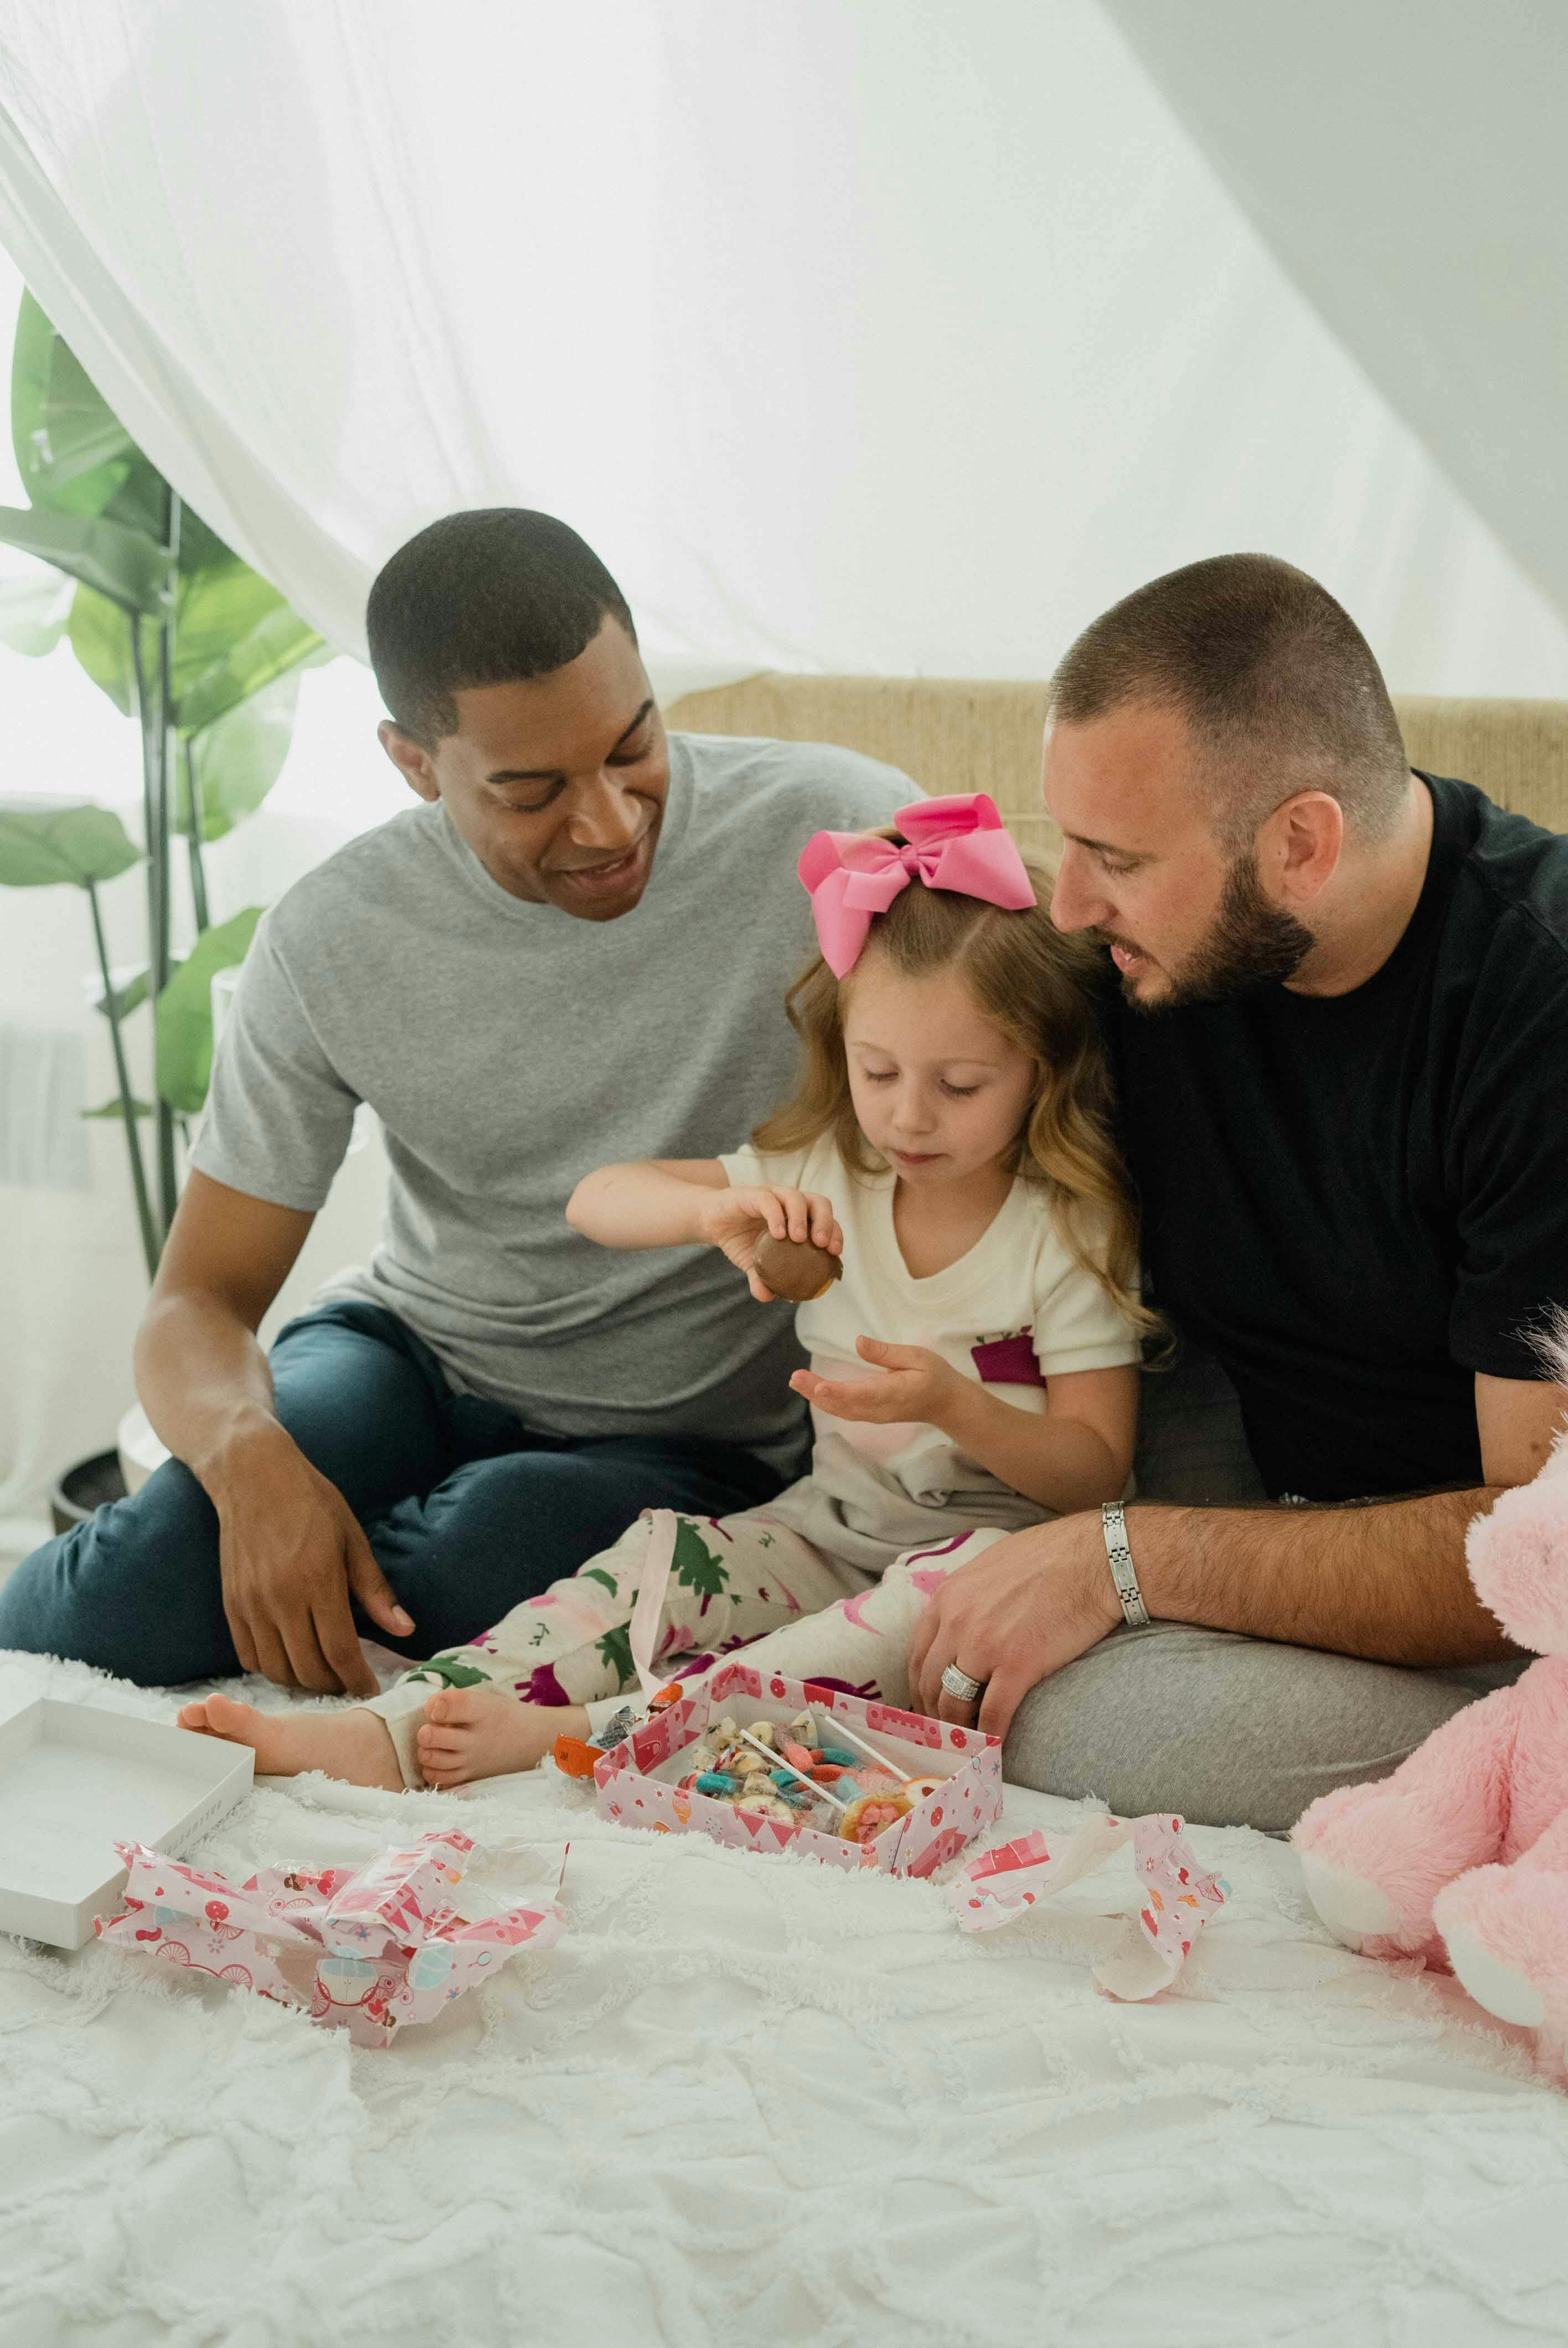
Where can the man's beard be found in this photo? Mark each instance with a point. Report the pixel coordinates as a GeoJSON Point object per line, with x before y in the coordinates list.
{"type": "Point", "coordinates": [1252, 944]}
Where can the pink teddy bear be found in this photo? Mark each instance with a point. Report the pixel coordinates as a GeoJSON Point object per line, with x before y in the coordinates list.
{"type": "Point", "coordinates": [1461, 1856]}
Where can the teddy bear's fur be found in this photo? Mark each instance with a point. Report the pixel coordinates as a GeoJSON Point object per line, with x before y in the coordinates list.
{"type": "Point", "coordinates": [1461, 1856]}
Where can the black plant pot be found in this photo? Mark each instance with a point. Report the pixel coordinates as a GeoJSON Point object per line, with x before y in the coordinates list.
{"type": "Point", "coordinates": [84, 1487]}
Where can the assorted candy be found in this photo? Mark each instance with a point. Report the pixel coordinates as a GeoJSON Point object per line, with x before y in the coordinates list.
{"type": "Point", "coordinates": [817, 1784]}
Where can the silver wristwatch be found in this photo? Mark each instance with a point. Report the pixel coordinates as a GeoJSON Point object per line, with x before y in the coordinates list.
{"type": "Point", "coordinates": [1114, 1524]}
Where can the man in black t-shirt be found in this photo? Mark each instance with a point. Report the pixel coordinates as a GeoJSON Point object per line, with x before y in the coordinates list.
{"type": "Point", "coordinates": [1341, 1038]}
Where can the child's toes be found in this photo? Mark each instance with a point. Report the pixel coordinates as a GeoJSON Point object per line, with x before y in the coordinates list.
{"type": "Point", "coordinates": [192, 1715]}
{"type": "Point", "coordinates": [471, 1704]}
{"type": "Point", "coordinates": [457, 1707]}
{"type": "Point", "coordinates": [438, 1738]}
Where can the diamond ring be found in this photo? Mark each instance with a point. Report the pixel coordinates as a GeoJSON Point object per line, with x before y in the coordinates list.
{"type": "Point", "coordinates": [959, 1685]}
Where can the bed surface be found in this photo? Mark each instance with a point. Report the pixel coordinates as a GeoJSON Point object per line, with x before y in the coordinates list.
{"type": "Point", "coordinates": [750, 2101]}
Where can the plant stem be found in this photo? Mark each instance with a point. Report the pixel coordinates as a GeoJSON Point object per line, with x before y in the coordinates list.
{"type": "Point", "coordinates": [194, 842]}
{"type": "Point", "coordinates": [150, 1244]}
{"type": "Point", "coordinates": [155, 874]}
{"type": "Point", "coordinates": [157, 865]}
{"type": "Point", "coordinates": [167, 1179]}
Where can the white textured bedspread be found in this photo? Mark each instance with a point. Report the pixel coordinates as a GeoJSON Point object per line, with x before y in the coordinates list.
{"type": "Point", "coordinates": [753, 2102]}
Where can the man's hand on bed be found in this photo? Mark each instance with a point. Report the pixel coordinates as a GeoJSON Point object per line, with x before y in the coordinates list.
{"type": "Point", "coordinates": [294, 1560]}
{"type": "Point", "coordinates": [1011, 1617]}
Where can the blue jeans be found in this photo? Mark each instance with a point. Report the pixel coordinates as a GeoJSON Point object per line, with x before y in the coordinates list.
{"type": "Point", "coordinates": [466, 1510]}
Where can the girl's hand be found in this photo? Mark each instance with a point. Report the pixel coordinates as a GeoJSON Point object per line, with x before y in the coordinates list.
{"type": "Point", "coordinates": [915, 1384]}
{"type": "Point", "coordinates": [736, 1219]}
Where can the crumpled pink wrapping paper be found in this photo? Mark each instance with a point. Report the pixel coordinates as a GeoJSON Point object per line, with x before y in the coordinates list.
{"type": "Point", "coordinates": [368, 1950]}
{"type": "Point", "coordinates": [1178, 1895]}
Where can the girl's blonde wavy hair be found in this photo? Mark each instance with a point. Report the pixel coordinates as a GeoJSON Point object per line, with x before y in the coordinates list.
{"type": "Point", "coordinates": [1036, 986]}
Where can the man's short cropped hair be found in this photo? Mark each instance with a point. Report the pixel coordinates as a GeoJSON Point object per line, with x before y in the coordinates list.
{"type": "Point", "coordinates": [482, 598]}
{"type": "Point", "coordinates": [1274, 677]}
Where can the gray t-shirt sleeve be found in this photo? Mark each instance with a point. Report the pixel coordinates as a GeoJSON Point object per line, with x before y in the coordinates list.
{"type": "Point", "coordinates": [278, 1114]}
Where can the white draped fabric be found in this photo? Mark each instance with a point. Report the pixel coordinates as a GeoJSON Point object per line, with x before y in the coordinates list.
{"type": "Point", "coordinates": [1407, 164]}
{"type": "Point", "coordinates": [883, 338]}
{"type": "Point", "coordinates": [892, 338]}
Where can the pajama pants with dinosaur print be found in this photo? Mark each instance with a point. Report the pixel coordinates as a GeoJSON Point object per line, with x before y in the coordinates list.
{"type": "Point", "coordinates": [744, 1580]}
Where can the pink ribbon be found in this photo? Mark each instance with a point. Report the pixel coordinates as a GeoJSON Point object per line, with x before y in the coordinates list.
{"type": "Point", "coordinates": [1177, 1896]}
{"type": "Point", "coordinates": [959, 844]}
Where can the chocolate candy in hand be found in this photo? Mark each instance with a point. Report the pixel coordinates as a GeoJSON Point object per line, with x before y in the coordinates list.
{"type": "Point", "coordinates": [795, 1268]}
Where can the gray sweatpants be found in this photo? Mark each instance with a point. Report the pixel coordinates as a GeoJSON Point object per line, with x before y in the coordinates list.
{"type": "Point", "coordinates": [1229, 1731]}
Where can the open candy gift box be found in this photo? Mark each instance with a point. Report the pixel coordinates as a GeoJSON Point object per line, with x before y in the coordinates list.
{"type": "Point", "coordinates": [638, 1781]}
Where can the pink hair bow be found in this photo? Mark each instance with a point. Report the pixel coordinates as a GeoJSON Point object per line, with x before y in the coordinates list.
{"type": "Point", "coordinates": [958, 844]}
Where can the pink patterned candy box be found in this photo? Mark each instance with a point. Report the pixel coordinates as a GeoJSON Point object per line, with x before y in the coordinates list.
{"type": "Point", "coordinates": [366, 1950]}
{"type": "Point", "coordinates": [637, 1781]}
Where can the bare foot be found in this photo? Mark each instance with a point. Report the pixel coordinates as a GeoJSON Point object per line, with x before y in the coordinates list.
{"type": "Point", "coordinates": [354, 1746]}
{"type": "Point", "coordinates": [480, 1732]}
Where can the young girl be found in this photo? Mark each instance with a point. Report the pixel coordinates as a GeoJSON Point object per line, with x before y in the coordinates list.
{"type": "Point", "coordinates": [950, 1145]}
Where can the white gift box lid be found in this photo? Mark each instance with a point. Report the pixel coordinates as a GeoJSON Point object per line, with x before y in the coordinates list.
{"type": "Point", "coordinates": [75, 1780]}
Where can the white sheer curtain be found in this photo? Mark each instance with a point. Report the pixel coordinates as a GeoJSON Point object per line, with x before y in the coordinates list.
{"type": "Point", "coordinates": [1406, 163]}
{"type": "Point", "coordinates": [889, 336]}
{"type": "Point", "coordinates": [882, 335]}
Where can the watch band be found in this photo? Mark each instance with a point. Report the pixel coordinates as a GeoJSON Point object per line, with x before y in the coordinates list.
{"type": "Point", "coordinates": [1123, 1573]}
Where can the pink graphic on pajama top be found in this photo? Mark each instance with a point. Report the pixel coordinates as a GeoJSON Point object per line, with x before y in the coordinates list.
{"type": "Point", "coordinates": [1008, 1362]}
{"type": "Point", "coordinates": [943, 1548]}
{"type": "Point", "coordinates": [850, 1610]}
{"type": "Point", "coordinates": [541, 1686]}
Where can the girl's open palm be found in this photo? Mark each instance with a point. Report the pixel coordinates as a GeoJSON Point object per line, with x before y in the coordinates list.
{"type": "Point", "coordinates": [736, 1219]}
{"type": "Point", "coordinates": [914, 1383]}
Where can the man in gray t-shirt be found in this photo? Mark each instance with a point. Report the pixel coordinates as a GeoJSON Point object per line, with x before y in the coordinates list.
{"type": "Point", "coordinates": [574, 950]}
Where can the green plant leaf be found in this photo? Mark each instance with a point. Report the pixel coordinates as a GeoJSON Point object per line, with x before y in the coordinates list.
{"type": "Point", "coordinates": [40, 846]}
{"type": "Point", "coordinates": [32, 613]}
{"type": "Point", "coordinates": [182, 1014]}
{"type": "Point", "coordinates": [130, 997]}
{"type": "Point", "coordinates": [239, 758]}
{"type": "Point", "coordinates": [114, 1108]}
{"type": "Point", "coordinates": [72, 450]}
{"type": "Point", "coordinates": [100, 512]}
{"type": "Point", "coordinates": [133, 571]}
{"type": "Point", "coordinates": [100, 639]}
{"type": "Point", "coordinates": [235, 634]}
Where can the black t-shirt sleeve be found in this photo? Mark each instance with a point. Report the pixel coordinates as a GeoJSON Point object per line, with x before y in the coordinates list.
{"type": "Point", "coordinates": [1508, 1157]}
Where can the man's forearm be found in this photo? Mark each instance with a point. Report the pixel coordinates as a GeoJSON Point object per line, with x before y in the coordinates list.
{"type": "Point", "coordinates": [1386, 1581]}
{"type": "Point", "coordinates": [204, 1383]}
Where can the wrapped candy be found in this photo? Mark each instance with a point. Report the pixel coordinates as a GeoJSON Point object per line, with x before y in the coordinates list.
{"type": "Point", "coordinates": [864, 1820]}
